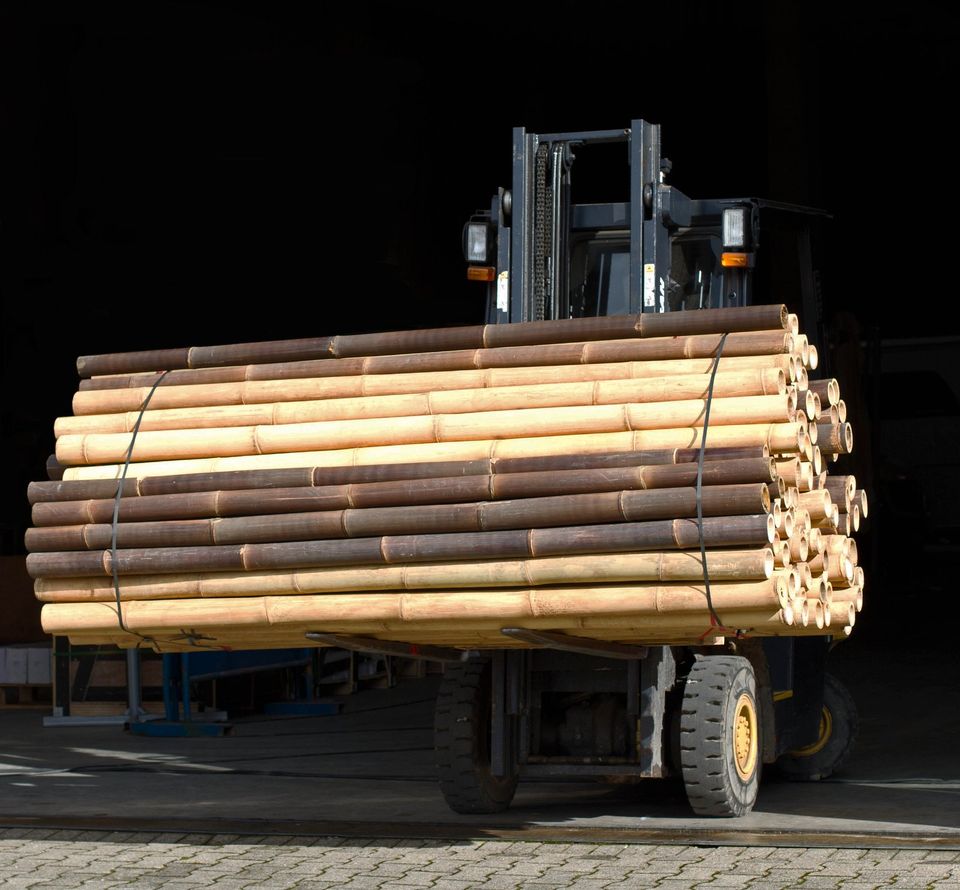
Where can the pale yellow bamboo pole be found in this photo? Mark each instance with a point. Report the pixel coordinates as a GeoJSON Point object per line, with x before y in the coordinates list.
{"type": "Point", "coordinates": [813, 357]}
{"type": "Point", "coordinates": [779, 437]}
{"type": "Point", "coordinates": [802, 344]}
{"type": "Point", "coordinates": [842, 614]}
{"type": "Point", "coordinates": [98, 448]}
{"type": "Point", "coordinates": [817, 503]}
{"type": "Point", "coordinates": [502, 605]}
{"type": "Point", "coordinates": [838, 567]}
{"type": "Point", "coordinates": [543, 394]}
{"type": "Point", "coordinates": [723, 565]}
{"type": "Point", "coordinates": [853, 595]}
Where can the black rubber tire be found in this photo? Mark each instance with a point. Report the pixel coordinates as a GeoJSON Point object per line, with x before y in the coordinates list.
{"type": "Point", "coordinates": [708, 721]}
{"type": "Point", "coordinates": [840, 724]}
{"type": "Point", "coordinates": [462, 742]}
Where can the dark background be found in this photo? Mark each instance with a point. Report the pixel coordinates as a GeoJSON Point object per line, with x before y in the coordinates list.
{"type": "Point", "coordinates": [191, 173]}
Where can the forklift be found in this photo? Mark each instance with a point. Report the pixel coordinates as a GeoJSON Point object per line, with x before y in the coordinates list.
{"type": "Point", "coordinates": [573, 708]}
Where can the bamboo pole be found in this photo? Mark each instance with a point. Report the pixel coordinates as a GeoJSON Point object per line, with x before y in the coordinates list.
{"type": "Point", "coordinates": [680, 534]}
{"type": "Point", "coordinates": [767, 342]}
{"type": "Point", "coordinates": [463, 606]}
{"type": "Point", "coordinates": [183, 397]}
{"type": "Point", "coordinates": [98, 448]}
{"type": "Point", "coordinates": [542, 394]}
{"type": "Point", "coordinates": [452, 489]}
{"type": "Point", "coordinates": [307, 476]}
{"type": "Point", "coordinates": [836, 438]}
{"type": "Point", "coordinates": [781, 438]}
{"type": "Point", "coordinates": [530, 512]}
{"type": "Point", "coordinates": [723, 565]}
{"type": "Point", "coordinates": [430, 339]}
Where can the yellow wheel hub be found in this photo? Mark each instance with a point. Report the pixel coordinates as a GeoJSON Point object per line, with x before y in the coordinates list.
{"type": "Point", "coordinates": [745, 737]}
{"type": "Point", "coordinates": [826, 730]}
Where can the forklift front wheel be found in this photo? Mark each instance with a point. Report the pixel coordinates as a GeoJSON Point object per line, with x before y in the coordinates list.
{"type": "Point", "coordinates": [838, 732]}
{"type": "Point", "coordinates": [462, 741]}
{"type": "Point", "coordinates": [720, 736]}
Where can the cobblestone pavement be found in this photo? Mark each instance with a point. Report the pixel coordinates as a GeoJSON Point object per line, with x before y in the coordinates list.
{"type": "Point", "coordinates": [74, 859]}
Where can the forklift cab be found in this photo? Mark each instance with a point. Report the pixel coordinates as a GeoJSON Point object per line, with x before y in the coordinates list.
{"type": "Point", "coordinates": [568, 713]}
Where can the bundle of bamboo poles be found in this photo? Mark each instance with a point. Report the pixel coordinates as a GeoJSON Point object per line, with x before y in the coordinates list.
{"type": "Point", "coordinates": [436, 486]}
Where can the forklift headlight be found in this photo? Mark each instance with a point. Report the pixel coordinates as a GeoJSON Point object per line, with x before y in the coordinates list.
{"type": "Point", "coordinates": [736, 228]}
{"type": "Point", "coordinates": [476, 242]}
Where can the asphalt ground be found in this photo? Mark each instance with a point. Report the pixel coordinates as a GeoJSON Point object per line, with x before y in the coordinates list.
{"type": "Point", "coordinates": [369, 771]}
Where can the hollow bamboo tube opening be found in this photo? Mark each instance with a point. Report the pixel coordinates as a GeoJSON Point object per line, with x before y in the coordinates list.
{"type": "Point", "coordinates": [790, 578]}
{"type": "Point", "coordinates": [813, 357]}
{"type": "Point", "coordinates": [788, 468]}
{"type": "Point", "coordinates": [801, 378]}
{"type": "Point", "coordinates": [793, 323]}
{"type": "Point", "coordinates": [860, 499]}
{"type": "Point", "coordinates": [825, 591]}
{"type": "Point", "coordinates": [782, 553]}
{"type": "Point", "coordinates": [828, 390]}
{"type": "Point", "coordinates": [815, 540]}
{"type": "Point", "coordinates": [816, 612]}
{"type": "Point", "coordinates": [842, 411]}
{"type": "Point", "coordinates": [855, 518]}
{"type": "Point", "coordinates": [799, 546]}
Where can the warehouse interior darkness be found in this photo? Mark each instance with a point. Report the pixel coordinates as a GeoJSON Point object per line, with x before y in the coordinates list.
{"type": "Point", "coordinates": [192, 173]}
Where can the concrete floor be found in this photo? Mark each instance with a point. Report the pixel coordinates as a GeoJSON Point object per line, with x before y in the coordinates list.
{"type": "Point", "coordinates": [372, 766]}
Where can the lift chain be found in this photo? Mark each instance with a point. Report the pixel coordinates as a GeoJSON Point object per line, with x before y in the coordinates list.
{"type": "Point", "coordinates": [541, 233]}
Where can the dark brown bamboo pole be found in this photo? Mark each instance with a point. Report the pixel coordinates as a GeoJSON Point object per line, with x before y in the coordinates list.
{"type": "Point", "coordinates": [544, 394]}
{"type": "Point", "coordinates": [297, 477]}
{"type": "Point", "coordinates": [766, 342]}
{"type": "Point", "coordinates": [434, 339]}
{"type": "Point", "coordinates": [781, 438]}
{"type": "Point", "coordinates": [680, 534]}
{"type": "Point", "coordinates": [528, 512]}
{"type": "Point", "coordinates": [448, 489]}
{"type": "Point", "coordinates": [835, 438]}
{"type": "Point", "coordinates": [723, 565]}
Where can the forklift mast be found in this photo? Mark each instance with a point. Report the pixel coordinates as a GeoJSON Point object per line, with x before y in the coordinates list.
{"type": "Point", "coordinates": [544, 256]}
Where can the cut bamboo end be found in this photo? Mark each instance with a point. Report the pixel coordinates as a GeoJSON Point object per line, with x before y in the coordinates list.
{"type": "Point", "coordinates": [816, 466]}
{"type": "Point", "coordinates": [842, 411]}
{"type": "Point", "coordinates": [816, 612]}
{"type": "Point", "coordinates": [860, 500]}
{"type": "Point", "coordinates": [793, 323]}
{"type": "Point", "coordinates": [813, 357]}
{"type": "Point", "coordinates": [799, 546]}
{"type": "Point", "coordinates": [842, 614]}
{"type": "Point", "coordinates": [801, 520]}
{"type": "Point", "coordinates": [815, 540]}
